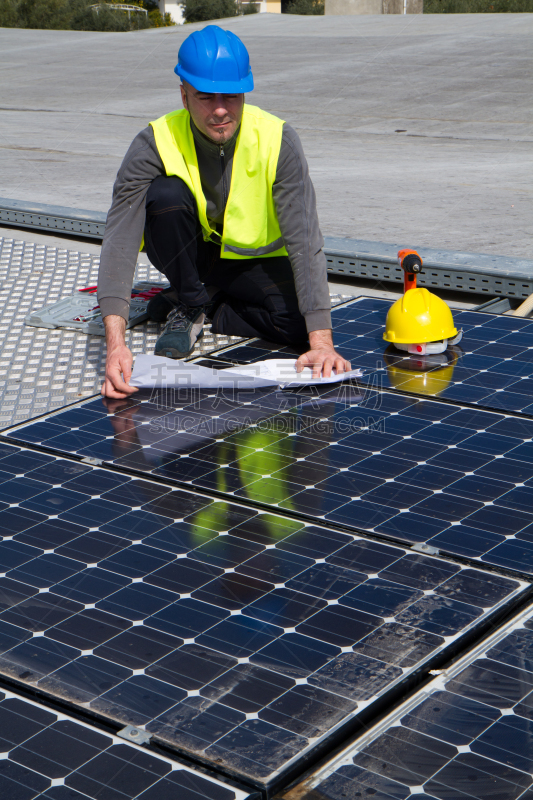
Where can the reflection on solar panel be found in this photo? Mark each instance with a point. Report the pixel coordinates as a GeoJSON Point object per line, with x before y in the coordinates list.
{"type": "Point", "coordinates": [491, 368]}
{"type": "Point", "coordinates": [413, 469]}
{"type": "Point", "coordinates": [239, 637]}
{"type": "Point", "coordinates": [468, 734]}
{"type": "Point", "coordinates": [50, 755]}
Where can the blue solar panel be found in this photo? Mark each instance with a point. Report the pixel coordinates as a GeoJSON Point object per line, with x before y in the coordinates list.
{"type": "Point", "coordinates": [238, 637]}
{"type": "Point", "coordinates": [491, 367]}
{"type": "Point", "coordinates": [468, 734]}
{"type": "Point", "coordinates": [413, 469]}
{"type": "Point", "coordinates": [49, 755]}
{"type": "Point", "coordinates": [241, 619]}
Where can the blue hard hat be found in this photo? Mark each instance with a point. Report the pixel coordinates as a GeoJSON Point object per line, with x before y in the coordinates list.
{"type": "Point", "coordinates": [215, 60]}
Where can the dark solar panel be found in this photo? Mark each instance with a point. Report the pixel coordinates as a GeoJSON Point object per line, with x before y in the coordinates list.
{"type": "Point", "coordinates": [414, 469]}
{"type": "Point", "coordinates": [491, 367]}
{"type": "Point", "coordinates": [468, 734]}
{"type": "Point", "coordinates": [49, 755]}
{"type": "Point", "coordinates": [239, 637]}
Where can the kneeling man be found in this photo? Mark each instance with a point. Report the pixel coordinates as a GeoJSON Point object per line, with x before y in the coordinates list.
{"type": "Point", "coordinates": [221, 193]}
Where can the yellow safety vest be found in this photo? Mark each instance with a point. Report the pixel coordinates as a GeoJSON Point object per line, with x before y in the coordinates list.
{"type": "Point", "coordinates": [251, 225]}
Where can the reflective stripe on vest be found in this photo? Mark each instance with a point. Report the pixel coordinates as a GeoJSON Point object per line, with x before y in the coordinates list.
{"type": "Point", "coordinates": [251, 225]}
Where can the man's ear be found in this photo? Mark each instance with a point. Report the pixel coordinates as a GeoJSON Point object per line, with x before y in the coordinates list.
{"type": "Point", "coordinates": [184, 97]}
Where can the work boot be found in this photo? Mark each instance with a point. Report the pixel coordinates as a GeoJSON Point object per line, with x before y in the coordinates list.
{"type": "Point", "coordinates": [161, 304]}
{"type": "Point", "coordinates": [183, 329]}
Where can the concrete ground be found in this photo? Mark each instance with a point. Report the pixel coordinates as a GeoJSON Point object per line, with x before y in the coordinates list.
{"type": "Point", "coordinates": [417, 128]}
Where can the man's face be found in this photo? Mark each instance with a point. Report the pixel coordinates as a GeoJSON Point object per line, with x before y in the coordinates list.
{"type": "Point", "coordinates": [216, 115]}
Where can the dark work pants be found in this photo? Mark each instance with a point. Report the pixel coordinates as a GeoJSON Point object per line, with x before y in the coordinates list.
{"type": "Point", "coordinates": [257, 297]}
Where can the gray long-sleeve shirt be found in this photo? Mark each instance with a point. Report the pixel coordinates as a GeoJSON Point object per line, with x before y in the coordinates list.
{"type": "Point", "coordinates": [294, 198]}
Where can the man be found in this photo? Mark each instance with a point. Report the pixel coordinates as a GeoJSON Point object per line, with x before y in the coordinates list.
{"type": "Point", "coordinates": [222, 193]}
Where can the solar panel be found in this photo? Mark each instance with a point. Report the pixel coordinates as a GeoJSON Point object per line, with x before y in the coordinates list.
{"type": "Point", "coordinates": [413, 469]}
{"type": "Point", "coordinates": [50, 755]}
{"type": "Point", "coordinates": [243, 639]}
{"type": "Point", "coordinates": [491, 367]}
{"type": "Point", "coordinates": [467, 734]}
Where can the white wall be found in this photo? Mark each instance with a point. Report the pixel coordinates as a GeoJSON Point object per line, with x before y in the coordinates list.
{"type": "Point", "coordinates": [172, 8]}
{"type": "Point", "coordinates": [262, 4]}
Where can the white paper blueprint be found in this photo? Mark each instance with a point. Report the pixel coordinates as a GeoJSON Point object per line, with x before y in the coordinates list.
{"type": "Point", "coordinates": [157, 372]}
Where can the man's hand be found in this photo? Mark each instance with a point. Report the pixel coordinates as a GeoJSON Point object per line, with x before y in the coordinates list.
{"type": "Point", "coordinates": [119, 359]}
{"type": "Point", "coordinates": [322, 356]}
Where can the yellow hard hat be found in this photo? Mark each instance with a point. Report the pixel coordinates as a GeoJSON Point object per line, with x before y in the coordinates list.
{"type": "Point", "coordinates": [419, 316]}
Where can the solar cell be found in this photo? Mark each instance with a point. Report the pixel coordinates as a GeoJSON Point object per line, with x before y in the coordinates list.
{"type": "Point", "coordinates": [467, 734]}
{"type": "Point", "coordinates": [414, 469]}
{"type": "Point", "coordinates": [238, 637]}
{"type": "Point", "coordinates": [53, 756]}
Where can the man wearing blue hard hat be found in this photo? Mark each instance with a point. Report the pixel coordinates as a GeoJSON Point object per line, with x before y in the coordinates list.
{"type": "Point", "coordinates": [221, 193]}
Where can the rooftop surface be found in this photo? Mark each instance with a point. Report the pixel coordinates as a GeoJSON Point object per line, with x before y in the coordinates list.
{"type": "Point", "coordinates": [417, 129]}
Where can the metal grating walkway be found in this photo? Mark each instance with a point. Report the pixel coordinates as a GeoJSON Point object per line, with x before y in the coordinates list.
{"type": "Point", "coordinates": [43, 370]}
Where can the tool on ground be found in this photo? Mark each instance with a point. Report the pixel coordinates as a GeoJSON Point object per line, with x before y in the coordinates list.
{"type": "Point", "coordinates": [81, 311]}
{"type": "Point", "coordinates": [419, 322]}
{"type": "Point", "coordinates": [411, 263]}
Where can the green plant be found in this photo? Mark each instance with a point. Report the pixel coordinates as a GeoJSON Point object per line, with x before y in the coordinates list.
{"type": "Point", "coordinates": [105, 19]}
{"type": "Point", "coordinates": [478, 6]}
{"type": "Point", "coordinates": [155, 18]}
{"type": "Point", "coordinates": [47, 14]}
{"type": "Point", "coordinates": [139, 22]}
{"type": "Point", "coordinates": [159, 20]}
{"type": "Point", "coordinates": [205, 10]}
{"type": "Point", "coordinates": [78, 15]}
{"type": "Point", "coordinates": [8, 14]}
{"type": "Point", "coordinates": [305, 7]}
{"type": "Point", "coordinates": [250, 8]}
